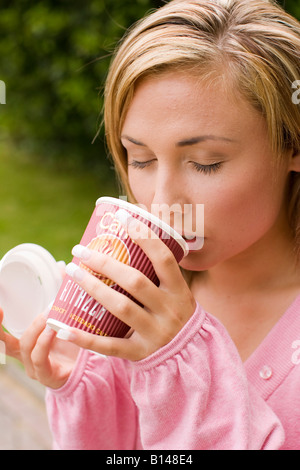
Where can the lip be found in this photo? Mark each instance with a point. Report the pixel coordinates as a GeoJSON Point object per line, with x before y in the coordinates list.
{"type": "Point", "coordinates": [194, 243]}
{"type": "Point", "coordinates": [188, 238]}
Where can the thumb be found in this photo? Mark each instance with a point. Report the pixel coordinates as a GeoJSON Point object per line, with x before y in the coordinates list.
{"type": "Point", "coordinates": [12, 344]}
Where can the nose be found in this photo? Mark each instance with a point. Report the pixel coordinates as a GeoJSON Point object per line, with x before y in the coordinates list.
{"type": "Point", "coordinates": [168, 187]}
{"type": "Point", "coordinates": [173, 203]}
{"type": "Point", "coordinates": [169, 197]}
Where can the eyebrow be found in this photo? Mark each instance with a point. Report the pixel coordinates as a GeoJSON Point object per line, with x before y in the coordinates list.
{"type": "Point", "coordinates": [202, 138]}
{"type": "Point", "coordinates": [134, 141]}
{"type": "Point", "coordinates": [186, 142]}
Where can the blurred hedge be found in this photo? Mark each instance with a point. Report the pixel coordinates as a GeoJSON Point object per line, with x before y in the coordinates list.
{"type": "Point", "coordinates": [292, 6]}
{"type": "Point", "coordinates": [54, 57]}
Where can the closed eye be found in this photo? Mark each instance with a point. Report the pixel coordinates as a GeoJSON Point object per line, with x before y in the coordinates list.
{"type": "Point", "coordinates": [141, 165]}
{"type": "Point", "coordinates": [207, 169]}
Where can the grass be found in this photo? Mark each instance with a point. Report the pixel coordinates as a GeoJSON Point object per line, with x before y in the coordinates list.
{"type": "Point", "coordinates": [45, 205]}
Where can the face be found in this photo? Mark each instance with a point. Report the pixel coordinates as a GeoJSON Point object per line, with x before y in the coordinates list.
{"type": "Point", "coordinates": [190, 144]}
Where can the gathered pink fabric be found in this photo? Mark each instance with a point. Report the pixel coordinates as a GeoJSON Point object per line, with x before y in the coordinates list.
{"type": "Point", "coordinates": [194, 393]}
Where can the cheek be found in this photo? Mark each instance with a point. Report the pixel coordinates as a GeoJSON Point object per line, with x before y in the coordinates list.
{"type": "Point", "coordinates": [234, 220]}
{"type": "Point", "coordinates": [135, 186]}
{"type": "Point", "coordinates": [147, 192]}
{"type": "Point", "coordinates": [245, 211]}
{"type": "Point", "coordinates": [140, 187]}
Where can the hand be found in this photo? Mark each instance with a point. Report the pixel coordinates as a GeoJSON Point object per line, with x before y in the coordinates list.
{"type": "Point", "coordinates": [12, 344]}
{"type": "Point", "coordinates": [166, 308]}
{"type": "Point", "coordinates": [45, 358]}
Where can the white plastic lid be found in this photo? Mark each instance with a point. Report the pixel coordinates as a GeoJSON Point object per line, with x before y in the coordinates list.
{"type": "Point", "coordinates": [29, 281]}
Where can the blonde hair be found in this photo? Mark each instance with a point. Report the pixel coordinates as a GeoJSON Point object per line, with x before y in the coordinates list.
{"type": "Point", "coordinates": [254, 42]}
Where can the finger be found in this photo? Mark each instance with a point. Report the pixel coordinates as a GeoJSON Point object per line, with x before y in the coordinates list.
{"type": "Point", "coordinates": [125, 348]}
{"type": "Point", "coordinates": [162, 258]}
{"type": "Point", "coordinates": [115, 302]}
{"type": "Point", "coordinates": [62, 267]}
{"type": "Point", "coordinates": [12, 345]}
{"type": "Point", "coordinates": [41, 350]}
{"type": "Point", "coordinates": [40, 355]}
{"type": "Point", "coordinates": [51, 371]}
{"type": "Point", "coordinates": [28, 341]}
{"type": "Point", "coordinates": [129, 278]}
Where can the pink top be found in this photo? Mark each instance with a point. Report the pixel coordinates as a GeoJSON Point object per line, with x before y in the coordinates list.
{"type": "Point", "coordinates": [194, 393]}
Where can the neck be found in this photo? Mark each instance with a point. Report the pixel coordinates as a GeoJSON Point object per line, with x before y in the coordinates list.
{"type": "Point", "coordinates": [250, 292]}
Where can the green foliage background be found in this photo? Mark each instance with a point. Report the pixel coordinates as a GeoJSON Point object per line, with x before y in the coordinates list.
{"type": "Point", "coordinates": [292, 6]}
{"type": "Point", "coordinates": [54, 56]}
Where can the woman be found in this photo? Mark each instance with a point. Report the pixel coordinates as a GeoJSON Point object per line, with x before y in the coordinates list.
{"type": "Point", "coordinates": [198, 110]}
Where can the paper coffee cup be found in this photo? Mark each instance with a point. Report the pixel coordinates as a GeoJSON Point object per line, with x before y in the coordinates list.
{"type": "Point", "coordinates": [104, 233]}
{"type": "Point", "coordinates": [29, 281]}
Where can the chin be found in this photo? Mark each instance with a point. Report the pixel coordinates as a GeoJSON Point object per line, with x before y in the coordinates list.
{"type": "Point", "coordinates": [195, 261]}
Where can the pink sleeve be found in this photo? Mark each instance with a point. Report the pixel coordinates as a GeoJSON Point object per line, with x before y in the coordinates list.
{"type": "Point", "coordinates": [94, 409]}
{"type": "Point", "coordinates": [193, 394]}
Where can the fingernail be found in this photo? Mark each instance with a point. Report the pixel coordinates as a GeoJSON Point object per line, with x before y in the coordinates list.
{"type": "Point", "coordinates": [75, 272]}
{"type": "Point", "coordinates": [65, 334]}
{"type": "Point", "coordinates": [48, 330]}
{"type": "Point", "coordinates": [81, 252]}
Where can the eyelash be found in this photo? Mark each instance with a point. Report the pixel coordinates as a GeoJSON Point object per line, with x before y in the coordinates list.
{"type": "Point", "coordinates": [140, 165]}
{"type": "Point", "coordinates": [206, 169]}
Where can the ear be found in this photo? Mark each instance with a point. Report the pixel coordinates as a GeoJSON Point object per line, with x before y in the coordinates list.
{"type": "Point", "coordinates": [295, 162]}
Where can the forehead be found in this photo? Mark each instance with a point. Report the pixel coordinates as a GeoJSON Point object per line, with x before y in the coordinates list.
{"type": "Point", "coordinates": [182, 102]}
